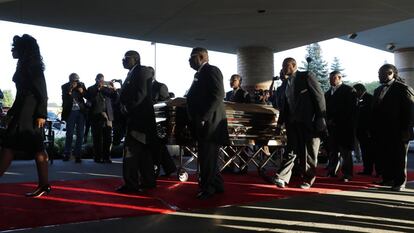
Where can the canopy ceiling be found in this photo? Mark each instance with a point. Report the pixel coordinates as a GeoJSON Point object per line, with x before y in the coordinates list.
{"type": "Point", "coordinates": [225, 25]}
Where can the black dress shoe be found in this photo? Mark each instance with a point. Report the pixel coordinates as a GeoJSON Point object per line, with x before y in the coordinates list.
{"type": "Point", "coordinates": [126, 189]}
{"type": "Point", "coordinates": [398, 188]}
{"type": "Point", "coordinates": [204, 195]}
{"type": "Point", "coordinates": [147, 186]}
{"type": "Point", "coordinates": [384, 182]}
{"type": "Point", "coordinates": [39, 191]}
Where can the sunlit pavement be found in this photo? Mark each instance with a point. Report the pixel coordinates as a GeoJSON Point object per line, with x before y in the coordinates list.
{"type": "Point", "coordinates": [372, 210]}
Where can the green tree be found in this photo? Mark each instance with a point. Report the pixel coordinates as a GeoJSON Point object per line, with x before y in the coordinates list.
{"type": "Point", "coordinates": [315, 63]}
{"type": "Point", "coordinates": [336, 66]}
{"type": "Point", "coordinates": [369, 86]}
{"type": "Point", "coordinates": [8, 98]}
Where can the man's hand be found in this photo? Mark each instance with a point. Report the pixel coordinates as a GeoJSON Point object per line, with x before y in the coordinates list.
{"type": "Point", "coordinates": [40, 122]}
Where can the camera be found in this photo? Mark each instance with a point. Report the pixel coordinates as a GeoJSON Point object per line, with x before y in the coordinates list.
{"type": "Point", "coordinates": [107, 84]}
{"type": "Point", "coordinates": [116, 80]}
{"type": "Point", "coordinates": [276, 78]}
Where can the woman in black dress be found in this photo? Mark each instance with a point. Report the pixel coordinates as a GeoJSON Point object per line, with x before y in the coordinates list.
{"type": "Point", "coordinates": [27, 116]}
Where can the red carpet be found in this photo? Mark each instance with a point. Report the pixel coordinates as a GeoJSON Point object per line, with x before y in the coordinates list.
{"type": "Point", "coordinates": [85, 200]}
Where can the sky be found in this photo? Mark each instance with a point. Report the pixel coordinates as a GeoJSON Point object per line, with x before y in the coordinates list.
{"type": "Point", "coordinates": [65, 52]}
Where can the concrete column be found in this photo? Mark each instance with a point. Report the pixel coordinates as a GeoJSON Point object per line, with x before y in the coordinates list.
{"type": "Point", "coordinates": [255, 65]}
{"type": "Point", "coordinates": [404, 61]}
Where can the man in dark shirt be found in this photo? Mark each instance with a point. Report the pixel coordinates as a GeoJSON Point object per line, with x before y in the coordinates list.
{"type": "Point", "coordinates": [162, 157]}
{"type": "Point", "coordinates": [392, 126]}
{"type": "Point", "coordinates": [101, 116]}
{"type": "Point", "coordinates": [237, 95]}
{"type": "Point", "coordinates": [73, 113]}
{"type": "Point", "coordinates": [136, 100]}
{"type": "Point", "coordinates": [208, 120]}
{"type": "Point", "coordinates": [302, 112]}
{"type": "Point", "coordinates": [363, 122]}
{"type": "Point", "coordinates": [340, 114]}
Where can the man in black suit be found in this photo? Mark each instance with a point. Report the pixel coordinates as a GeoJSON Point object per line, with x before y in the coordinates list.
{"type": "Point", "coordinates": [340, 114]}
{"type": "Point", "coordinates": [238, 94]}
{"type": "Point", "coordinates": [302, 112]}
{"type": "Point", "coordinates": [162, 157]}
{"type": "Point", "coordinates": [208, 120]}
{"type": "Point", "coordinates": [159, 90]}
{"type": "Point", "coordinates": [363, 122]}
{"type": "Point", "coordinates": [101, 115]}
{"type": "Point", "coordinates": [73, 113]}
{"type": "Point", "coordinates": [392, 128]}
{"type": "Point", "coordinates": [136, 99]}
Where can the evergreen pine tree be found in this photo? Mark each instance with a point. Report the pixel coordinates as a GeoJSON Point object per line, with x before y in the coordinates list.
{"type": "Point", "coordinates": [316, 64]}
{"type": "Point", "coordinates": [336, 66]}
{"type": "Point", "coordinates": [8, 98]}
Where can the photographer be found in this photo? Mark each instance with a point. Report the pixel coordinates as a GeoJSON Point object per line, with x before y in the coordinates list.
{"type": "Point", "coordinates": [275, 95]}
{"type": "Point", "coordinates": [73, 112]}
{"type": "Point", "coordinates": [101, 115]}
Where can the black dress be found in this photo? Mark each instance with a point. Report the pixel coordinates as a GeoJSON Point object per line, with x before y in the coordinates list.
{"type": "Point", "coordinates": [31, 103]}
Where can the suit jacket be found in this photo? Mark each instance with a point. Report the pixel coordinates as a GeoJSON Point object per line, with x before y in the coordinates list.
{"type": "Point", "coordinates": [240, 96]}
{"type": "Point", "coordinates": [101, 101]}
{"type": "Point", "coordinates": [309, 103]}
{"type": "Point", "coordinates": [205, 103]}
{"type": "Point", "coordinates": [364, 113]}
{"type": "Point", "coordinates": [341, 115]}
{"type": "Point", "coordinates": [393, 116]}
{"type": "Point", "coordinates": [136, 98]}
{"type": "Point", "coordinates": [67, 100]}
{"type": "Point", "coordinates": [159, 92]}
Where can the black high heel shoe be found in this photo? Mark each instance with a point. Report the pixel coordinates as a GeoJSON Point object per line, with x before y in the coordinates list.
{"type": "Point", "coordinates": [39, 191]}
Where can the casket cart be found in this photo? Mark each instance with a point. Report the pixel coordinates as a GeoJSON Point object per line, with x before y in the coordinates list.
{"type": "Point", "coordinates": [249, 125]}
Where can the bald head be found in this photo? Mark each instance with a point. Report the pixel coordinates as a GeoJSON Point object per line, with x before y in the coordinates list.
{"type": "Point", "coordinates": [289, 66]}
{"type": "Point", "coordinates": [198, 57]}
{"type": "Point", "coordinates": [131, 58]}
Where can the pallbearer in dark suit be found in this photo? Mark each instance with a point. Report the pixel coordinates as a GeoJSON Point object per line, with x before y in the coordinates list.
{"type": "Point", "coordinates": [161, 156]}
{"type": "Point", "coordinates": [208, 119]}
{"type": "Point", "coordinates": [392, 128]}
{"type": "Point", "coordinates": [302, 111]}
{"type": "Point", "coordinates": [363, 129]}
{"type": "Point", "coordinates": [138, 166]}
{"type": "Point", "coordinates": [238, 94]}
{"type": "Point", "coordinates": [340, 114]}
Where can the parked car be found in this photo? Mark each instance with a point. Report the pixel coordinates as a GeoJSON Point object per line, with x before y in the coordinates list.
{"type": "Point", "coordinates": [58, 126]}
